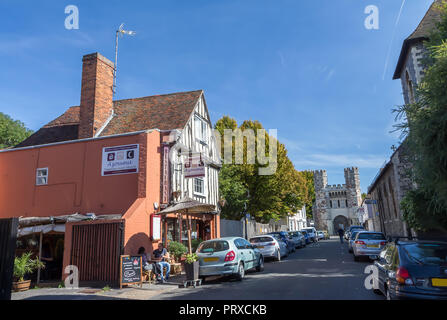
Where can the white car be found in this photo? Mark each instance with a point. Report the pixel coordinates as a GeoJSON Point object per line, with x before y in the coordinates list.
{"type": "Point", "coordinates": [320, 235]}
{"type": "Point", "coordinates": [312, 232]}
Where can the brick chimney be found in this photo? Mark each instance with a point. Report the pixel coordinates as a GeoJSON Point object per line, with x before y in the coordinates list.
{"type": "Point", "coordinates": [96, 94]}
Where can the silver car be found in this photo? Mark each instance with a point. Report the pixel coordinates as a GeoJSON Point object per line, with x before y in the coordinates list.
{"type": "Point", "coordinates": [269, 246]}
{"type": "Point", "coordinates": [231, 256]}
{"type": "Point", "coordinates": [352, 238]}
{"type": "Point", "coordinates": [368, 243]}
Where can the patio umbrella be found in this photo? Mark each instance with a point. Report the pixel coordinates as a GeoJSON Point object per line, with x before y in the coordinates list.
{"type": "Point", "coordinates": [189, 206]}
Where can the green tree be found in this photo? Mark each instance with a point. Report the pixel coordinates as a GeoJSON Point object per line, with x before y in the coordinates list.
{"type": "Point", "coordinates": [266, 196]}
{"type": "Point", "coordinates": [12, 131]}
{"type": "Point", "coordinates": [424, 127]}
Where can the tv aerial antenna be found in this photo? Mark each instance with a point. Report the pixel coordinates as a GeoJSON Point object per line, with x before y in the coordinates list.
{"type": "Point", "coordinates": [119, 33]}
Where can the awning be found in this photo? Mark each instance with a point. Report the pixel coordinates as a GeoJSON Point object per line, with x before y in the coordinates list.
{"type": "Point", "coordinates": [190, 206]}
{"type": "Point", "coordinates": [41, 229]}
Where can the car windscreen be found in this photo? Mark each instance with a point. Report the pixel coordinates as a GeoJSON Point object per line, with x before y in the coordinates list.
{"type": "Point", "coordinates": [213, 246]}
{"type": "Point", "coordinates": [261, 239]}
{"type": "Point", "coordinates": [427, 253]}
{"type": "Point", "coordinates": [371, 236]}
{"type": "Point", "coordinates": [294, 234]}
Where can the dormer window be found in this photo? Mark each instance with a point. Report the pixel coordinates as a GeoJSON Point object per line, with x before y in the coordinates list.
{"type": "Point", "coordinates": [201, 129]}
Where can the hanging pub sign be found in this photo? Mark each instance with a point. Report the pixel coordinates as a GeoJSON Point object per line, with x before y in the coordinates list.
{"type": "Point", "coordinates": [120, 160]}
{"type": "Point", "coordinates": [155, 227]}
{"type": "Point", "coordinates": [195, 167]}
{"type": "Point", "coordinates": [131, 270]}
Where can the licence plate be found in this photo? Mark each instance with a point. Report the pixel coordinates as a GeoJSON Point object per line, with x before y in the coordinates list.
{"type": "Point", "coordinates": [210, 259]}
{"type": "Point", "coordinates": [372, 246]}
{"type": "Point", "coordinates": [260, 247]}
{"type": "Point", "coordinates": [436, 282]}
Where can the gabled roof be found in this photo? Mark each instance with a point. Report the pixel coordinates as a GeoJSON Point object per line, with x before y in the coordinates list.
{"type": "Point", "coordinates": [164, 112]}
{"type": "Point", "coordinates": [422, 32]}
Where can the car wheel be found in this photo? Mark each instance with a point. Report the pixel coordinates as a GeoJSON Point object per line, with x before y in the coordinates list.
{"type": "Point", "coordinates": [240, 272]}
{"type": "Point", "coordinates": [260, 266]}
{"type": "Point", "coordinates": [278, 255]}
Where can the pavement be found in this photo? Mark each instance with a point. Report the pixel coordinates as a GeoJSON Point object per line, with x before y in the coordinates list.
{"type": "Point", "coordinates": [320, 271]}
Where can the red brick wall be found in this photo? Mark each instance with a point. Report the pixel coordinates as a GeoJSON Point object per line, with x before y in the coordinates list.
{"type": "Point", "coordinates": [96, 94]}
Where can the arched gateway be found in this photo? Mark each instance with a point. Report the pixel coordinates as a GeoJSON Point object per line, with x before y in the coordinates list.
{"type": "Point", "coordinates": [340, 222]}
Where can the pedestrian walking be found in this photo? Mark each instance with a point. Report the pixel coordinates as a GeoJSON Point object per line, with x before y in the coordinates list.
{"type": "Point", "coordinates": [341, 232]}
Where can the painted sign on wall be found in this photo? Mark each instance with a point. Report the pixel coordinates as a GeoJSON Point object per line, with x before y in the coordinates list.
{"type": "Point", "coordinates": [194, 168]}
{"type": "Point", "coordinates": [120, 159]}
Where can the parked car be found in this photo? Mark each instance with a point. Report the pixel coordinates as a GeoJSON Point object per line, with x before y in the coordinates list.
{"type": "Point", "coordinates": [352, 238]}
{"type": "Point", "coordinates": [413, 269]}
{"type": "Point", "coordinates": [320, 235]}
{"type": "Point", "coordinates": [306, 236]}
{"type": "Point", "coordinates": [284, 236]}
{"type": "Point", "coordinates": [312, 232]}
{"type": "Point", "coordinates": [231, 256]}
{"type": "Point", "coordinates": [298, 238]}
{"type": "Point", "coordinates": [351, 228]}
{"type": "Point", "coordinates": [369, 244]}
{"type": "Point", "coordinates": [270, 247]}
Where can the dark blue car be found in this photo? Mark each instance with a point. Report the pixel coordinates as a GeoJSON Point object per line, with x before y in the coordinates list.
{"type": "Point", "coordinates": [306, 236]}
{"type": "Point", "coordinates": [412, 269]}
{"type": "Point", "coordinates": [286, 238]}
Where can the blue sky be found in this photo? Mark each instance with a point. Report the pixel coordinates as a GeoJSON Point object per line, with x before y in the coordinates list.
{"type": "Point", "coordinates": [307, 68]}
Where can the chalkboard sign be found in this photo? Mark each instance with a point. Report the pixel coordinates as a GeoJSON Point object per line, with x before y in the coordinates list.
{"type": "Point", "coordinates": [130, 270]}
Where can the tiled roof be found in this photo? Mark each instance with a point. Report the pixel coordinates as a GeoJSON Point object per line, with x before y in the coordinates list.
{"type": "Point", "coordinates": [432, 16]}
{"type": "Point", "coordinates": [164, 112]}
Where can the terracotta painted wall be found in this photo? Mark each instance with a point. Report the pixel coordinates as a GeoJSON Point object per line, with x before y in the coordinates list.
{"type": "Point", "coordinates": [75, 183]}
{"type": "Point", "coordinates": [137, 227]}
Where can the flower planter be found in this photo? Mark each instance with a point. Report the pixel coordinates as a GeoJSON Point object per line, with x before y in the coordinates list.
{"type": "Point", "coordinates": [192, 270]}
{"type": "Point", "coordinates": [21, 285]}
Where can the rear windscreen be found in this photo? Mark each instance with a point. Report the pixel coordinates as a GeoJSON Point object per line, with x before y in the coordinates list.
{"type": "Point", "coordinates": [435, 254]}
{"type": "Point", "coordinates": [261, 239]}
{"type": "Point", "coordinates": [213, 246]}
{"type": "Point", "coordinates": [371, 236]}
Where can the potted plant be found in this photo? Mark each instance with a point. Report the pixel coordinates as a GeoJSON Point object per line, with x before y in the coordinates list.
{"type": "Point", "coordinates": [24, 265]}
{"type": "Point", "coordinates": [192, 266]}
{"type": "Point", "coordinates": [177, 249]}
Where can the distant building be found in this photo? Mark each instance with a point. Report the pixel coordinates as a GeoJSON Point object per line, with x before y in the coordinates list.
{"type": "Point", "coordinates": [336, 205]}
{"type": "Point", "coordinates": [298, 221]}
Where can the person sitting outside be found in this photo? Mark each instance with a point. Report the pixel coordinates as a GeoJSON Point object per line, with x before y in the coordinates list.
{"type": "Point", "coordinates": [161, 255]}
{"type": "Point", "coordinates": [145, 263]}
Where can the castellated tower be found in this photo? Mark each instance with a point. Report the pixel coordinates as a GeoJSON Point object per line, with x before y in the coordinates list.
{"type": "Point", "coordinates": [352, 179]}
{"type": "Point", "coordinates": [320, 208]}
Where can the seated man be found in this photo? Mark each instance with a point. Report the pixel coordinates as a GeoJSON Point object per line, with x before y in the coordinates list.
{"type": "Point", "coordinates": [161, 255]}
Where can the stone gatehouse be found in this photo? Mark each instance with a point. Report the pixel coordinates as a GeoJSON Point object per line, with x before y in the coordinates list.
{"type": "Point", "coordinates": [336, 205]}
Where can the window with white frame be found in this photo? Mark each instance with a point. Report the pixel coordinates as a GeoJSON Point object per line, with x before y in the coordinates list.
{"type": "Point", "coordinates": [200, 127]}
{"type": "Point", "coordinates": [199, 186]}
{"type": "Point", "coordinates": [41, 176]}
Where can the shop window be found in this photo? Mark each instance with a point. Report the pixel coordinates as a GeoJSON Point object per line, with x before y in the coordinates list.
{"type": "Point", "coordinates": [199, 186]}
{"type": "Point", "coordinates": [41, 176]}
